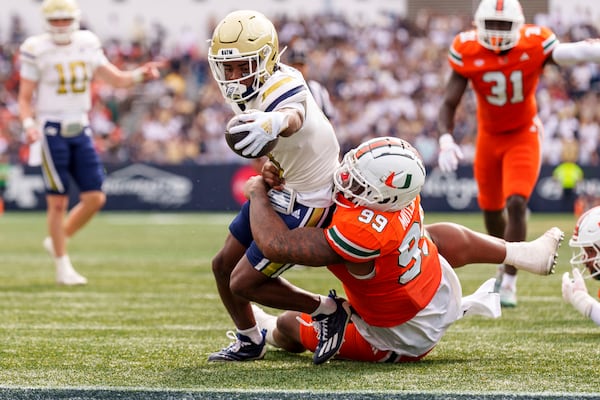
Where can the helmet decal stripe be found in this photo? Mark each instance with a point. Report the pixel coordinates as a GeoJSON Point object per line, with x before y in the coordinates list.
{"type": "Point", "coordinates": [371, 146]}
{"type": "Point", "coordinates": [500, 5]}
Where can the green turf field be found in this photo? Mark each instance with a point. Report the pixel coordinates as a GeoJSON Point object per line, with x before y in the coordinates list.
{"type": "Point", "coordinates": [150, 316]}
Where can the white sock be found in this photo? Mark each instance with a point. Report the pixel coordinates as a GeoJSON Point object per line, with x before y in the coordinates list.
{"type": "Point", "coordinates": [509, 281]}
{"type": "Point", "coordinates": [514, 251]}
{"type": "Point", "coordinates": [326, 306]}
{"type": "Point", "coordinates": [266, 321]}
{"type": "Point", "coordinates": [253, 333]}
{"type": "Point", "coordinates": [63, 263]}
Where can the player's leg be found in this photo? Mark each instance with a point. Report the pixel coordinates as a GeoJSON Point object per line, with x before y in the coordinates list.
{"type": "Point", "coordinates": [331, 314]}
{"type": "Point", "coordinates": [222, 267]}
{"type": "Point", "coordinates": [253, 285]}
{"type": "Point", "coordinates": [287, 332]}
{"type": "Point", "coordinates": [460, 246]}
{"type": "Point", "coordinates": [520, 172]}
{"type": "Point", "coordinates": [249, 340]}
{"type": "Point", "coordinates": [87, 171]}
{"type": "Point", "coordinates": [89, 204]}
{"type": "Point", "coordinates": [516, 224]}
{"type": "Point", "coordinates": [56, 209]}
{"type": "Point", "coordinates": [296, 334]}
{"type": "Point", "coordinates": [56, 177]}
{"type": "Point", "coordinates": [257, 279]}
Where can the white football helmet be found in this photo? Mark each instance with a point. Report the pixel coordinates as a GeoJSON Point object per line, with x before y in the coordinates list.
{"type": "Point", "coordinates": [61, 9]}
{"type": "Point", "coordinates": [385, 174]}
{"type": "Point", "coordinates": [585, 244]}
{"type": "Point", "coordinates": [499, 10]}
{"type": "Point", "coordinates": [249, 36]}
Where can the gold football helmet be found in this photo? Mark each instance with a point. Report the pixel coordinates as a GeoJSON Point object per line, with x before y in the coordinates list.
{"type": "Point", "coordinates": [61, 9]}
{"type": "Point", "coordinates": [243, 36]}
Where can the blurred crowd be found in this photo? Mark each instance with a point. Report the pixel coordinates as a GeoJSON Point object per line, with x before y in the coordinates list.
{"type": "Point", "coordinates": [385, 77]}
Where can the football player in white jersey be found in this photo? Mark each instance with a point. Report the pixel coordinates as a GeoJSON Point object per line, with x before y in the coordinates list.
{"type": "Point", "coordinates": [271, 100]}
{"type": "Point", "coordinates": [57, 68]}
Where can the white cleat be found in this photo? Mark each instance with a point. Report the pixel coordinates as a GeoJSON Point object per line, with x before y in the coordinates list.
{"type": "Point", "coordinates": [69, 277]}
{"type": "Point", "coordinates": [540, 255]}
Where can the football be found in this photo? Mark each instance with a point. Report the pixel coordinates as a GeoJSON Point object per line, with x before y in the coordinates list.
{"type": "Point", "coordinates": [233, 138]}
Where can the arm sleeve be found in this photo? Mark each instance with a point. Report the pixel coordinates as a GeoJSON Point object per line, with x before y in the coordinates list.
{"type": "Point", "coordinates": [573, 53]}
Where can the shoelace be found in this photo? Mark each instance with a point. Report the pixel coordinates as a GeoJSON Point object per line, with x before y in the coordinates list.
{"type": "Point", "coordinates": [319, 326]}
{"type": "Point", "coordinates": [236, 344]}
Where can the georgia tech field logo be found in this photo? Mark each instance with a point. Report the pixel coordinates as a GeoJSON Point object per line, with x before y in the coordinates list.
{"type": "Point", "coordinates": [24, 190]}
{"type": "Point", "coordinates": [150, 185]}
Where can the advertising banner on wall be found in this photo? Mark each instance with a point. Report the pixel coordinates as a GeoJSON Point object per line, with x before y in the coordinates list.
{"type": "Point", "coordinates": [143, 187]}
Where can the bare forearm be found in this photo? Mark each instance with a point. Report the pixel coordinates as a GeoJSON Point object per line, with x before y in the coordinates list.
{"type": "Point", "coordinates": [305, 246]}
{"type": "Point", "coordinates": [294, 121]}
{"type": "Point", "coordinates": [446, 119]}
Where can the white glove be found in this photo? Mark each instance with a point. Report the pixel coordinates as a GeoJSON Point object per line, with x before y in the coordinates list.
{"type": "Point", "coordinates": [450, 153]}
{"type": "Point", "coordinates": [263, 127]}
{"type": "Point", "coordinates": [575, 292]}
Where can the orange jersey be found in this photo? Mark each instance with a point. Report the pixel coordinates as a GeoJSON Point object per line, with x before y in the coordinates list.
{"type": "Point", "coordinates": [504, 83]}
{"type": "Point", "coordinates": [407, 271]}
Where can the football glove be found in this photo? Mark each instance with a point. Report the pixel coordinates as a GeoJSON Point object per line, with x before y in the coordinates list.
{"type": "Point", "coordinates": [450, 153]}
{"type": "Point", "coordinates": [575, 292]}
{"type": "Point", "coordinates": [262, 127]}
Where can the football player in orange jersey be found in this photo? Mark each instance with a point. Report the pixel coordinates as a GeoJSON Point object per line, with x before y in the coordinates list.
{"type": "Point", "coordinates": [403, 292]}
{"type": "Point", "coordinates": [503, 59]}
{"type": "Point", "coordinates": [586, 264]}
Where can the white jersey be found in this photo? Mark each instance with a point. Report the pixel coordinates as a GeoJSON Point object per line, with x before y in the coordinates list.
{"type": "Point", "coordinates": [309, 156]}
{"type": "Point", "coordinates": [63, 74]}
{"type": "Point", "coordinates": [416, 337]}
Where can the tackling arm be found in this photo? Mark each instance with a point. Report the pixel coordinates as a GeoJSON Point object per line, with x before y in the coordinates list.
{"type": "Point", "coordinates": [304, 246]}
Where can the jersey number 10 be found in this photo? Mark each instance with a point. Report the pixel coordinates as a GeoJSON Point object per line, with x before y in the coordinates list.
{"type": "Point", "coordinates": [77, 79]}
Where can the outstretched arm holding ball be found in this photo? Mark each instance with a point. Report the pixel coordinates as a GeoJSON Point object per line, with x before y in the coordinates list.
{"type": "Point", "coordinates": [254, 133]}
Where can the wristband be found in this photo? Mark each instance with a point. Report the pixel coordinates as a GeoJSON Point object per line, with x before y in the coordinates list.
{"type": "Point", "coordinates": [28, 123]}
{"type": "Point", "coordinates": [446, 140]}
{"type": "Point", "coordinates": [137, 75]}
